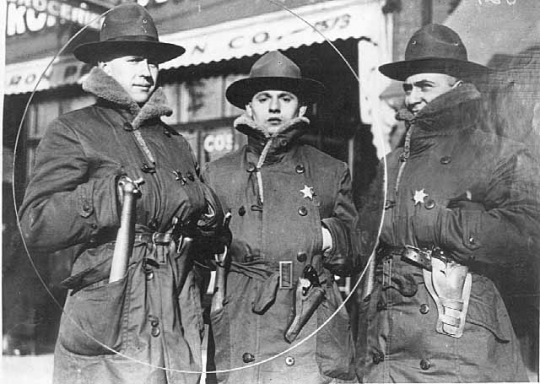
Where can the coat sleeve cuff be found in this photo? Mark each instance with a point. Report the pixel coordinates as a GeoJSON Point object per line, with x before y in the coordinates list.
{"type": "Point", "coordinates": [338, 259]}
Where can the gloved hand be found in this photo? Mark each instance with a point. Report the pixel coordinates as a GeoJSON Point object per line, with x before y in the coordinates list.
{"type": "Point", "coordinates": [212, 229]}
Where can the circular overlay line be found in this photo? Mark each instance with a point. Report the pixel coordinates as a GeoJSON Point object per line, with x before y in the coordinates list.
{"type": "Point", "coordinates": [369, 263]}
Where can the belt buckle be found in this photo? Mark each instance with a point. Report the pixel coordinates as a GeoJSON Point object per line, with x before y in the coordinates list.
{"type": "Point", "coordinates": [285, 275]}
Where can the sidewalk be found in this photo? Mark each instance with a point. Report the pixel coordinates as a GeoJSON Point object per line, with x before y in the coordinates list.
{"type": "Point", "coordinates": [27, 369]}
{"type": "Point", "coordinates": [38, 369]}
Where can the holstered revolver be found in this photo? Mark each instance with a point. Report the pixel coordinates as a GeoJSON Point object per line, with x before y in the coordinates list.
{"type": "Point", "coordinates": [308, 296]}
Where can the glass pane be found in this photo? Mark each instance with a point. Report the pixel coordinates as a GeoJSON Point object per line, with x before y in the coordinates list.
{"type": "Point", "coordinates": [47, 111]}
{"type": "Point", "coordinates": [216, 143]}
{"type": "Point", "coordinates": [202, 99]}
{"type": "Point", "coordinates": [172, 92]}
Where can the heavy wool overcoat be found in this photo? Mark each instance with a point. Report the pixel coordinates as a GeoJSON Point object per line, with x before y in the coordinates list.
{"type": "Point", "coordinates": [475, 196]}
{"type": "Point", "coordinates": [126, 331]}
{"type": "Point", "coordinates": [277, 217]}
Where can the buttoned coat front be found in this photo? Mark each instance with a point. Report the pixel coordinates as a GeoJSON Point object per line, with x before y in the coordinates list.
{"type": "Point", "coordinates": [474, 195]}
{"type": "Point", "coordinates": [129, 330]}
{"type": "Point", "coordinates": [279, 221]}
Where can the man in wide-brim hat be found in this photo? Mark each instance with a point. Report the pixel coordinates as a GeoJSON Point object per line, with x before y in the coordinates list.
{"type": "Point", "coordinates": [291, 210]}
{"type": "Point", "coordinates": [458, 199]}
{"type": "Point", "coordinates": [145, 327]}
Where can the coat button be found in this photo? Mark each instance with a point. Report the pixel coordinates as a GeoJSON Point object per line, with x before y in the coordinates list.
{"type": "Point", "coordinates": [378, 358]}
{"type": "Point", "coordinates": [425, 364]}
{"type": "Point", "coordinates": [153, 224]}
{"type": "Point", "coordinates": [147, 169]}
{"type": "Point", "coordinates": [93, 226]}
{"type": "Point", "coordinates": [242, 210]}
{"type": "Point", "coordinates": [86, 207]}
{"type": "Point", "coordinates": [282, 142]}
{"type": "Point", "coordinates": [302, 211]}
{"type": "Point", "coordinates": [472, 240]}
{"type": "Point", "coordinates": [155, 332]}
{"type": "Point", "coordinates": [381, 305]}
{"type": "Point", "coordinates": [251, 167]}
{"type": "Point", "coordinates": [446, 160]}
{"type": "Point", "coordinates": [289, 361]}
{"type": "Point", "coordinates": [424, 309]}
{"type": "Point", "coordinates": [248, 358]}
{"type": "Point", "coordinates": [190, 176]}
{"type": "Point", "coordinates": [430, 204]}
{"type": "Point", "coordinates": [149, 275]}
{"type": "Point", "coordinates": [301, 257]}
{"type": "Point", "coordinates": [300, 168]}
{"type": "Point", "coordinates": [154, 322]}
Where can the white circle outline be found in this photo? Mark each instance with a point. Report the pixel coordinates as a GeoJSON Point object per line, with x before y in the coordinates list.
{"type": "Point", "coordinates": [369, 264]}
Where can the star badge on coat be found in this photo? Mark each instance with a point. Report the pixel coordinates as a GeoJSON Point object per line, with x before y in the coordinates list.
{"type": "Point", "coordinates": [419, 196]}
{"type": "Point", "coordinates": [308, 192]}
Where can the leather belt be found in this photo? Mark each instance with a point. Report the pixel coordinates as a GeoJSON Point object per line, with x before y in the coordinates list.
{"type": "Point", "coordinates": [418, 256]}
{"type": "Point", "coordinates": [157, 238]}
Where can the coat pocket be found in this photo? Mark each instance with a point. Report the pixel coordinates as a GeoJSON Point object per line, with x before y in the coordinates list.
{"type": "Point", "coordinates": [335, 347]}
{"type": "Point", "coordinates": [487, 309]}
{"type": "Point", "coordinates": [93, 320]}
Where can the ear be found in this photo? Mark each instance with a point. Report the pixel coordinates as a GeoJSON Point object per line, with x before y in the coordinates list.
{"type": "Point", "coordinates": [302, 110]}
{"type": "Point", "coordinates": [104, 65]}
{"type": "Point", "coordinates": [249, 111]}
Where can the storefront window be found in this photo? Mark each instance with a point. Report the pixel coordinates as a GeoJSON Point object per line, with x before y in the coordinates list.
{"type": "Point", "coordinates": [201, 99]}
{"type": "Point", "coordinates": [40, 114]}
{"type": "Point", "coordinates": [172, 92]}
{"type": "Point", "coordinates": [219, 141]}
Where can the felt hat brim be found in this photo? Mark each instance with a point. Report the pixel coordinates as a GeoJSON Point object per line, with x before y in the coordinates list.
{"type": "Point", "coordinates": [242, 91]}
{"type": "Point", "coordinates": [161, 52]}
{"type": "Point", "coordinates": [461, 69]}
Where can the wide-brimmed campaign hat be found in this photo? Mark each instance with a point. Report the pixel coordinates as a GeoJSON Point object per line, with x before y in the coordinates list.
{"type": "Point", "coordinates": [128, 27]}
{"type": "Point", "coordinates": [434, 49]}
{"type": "Point", "coordinates": [274, 71]}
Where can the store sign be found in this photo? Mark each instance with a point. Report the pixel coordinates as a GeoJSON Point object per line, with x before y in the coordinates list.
{"type": "Point", "coordinates": [310, 24]}
{"type": "Point", "coordinates": [25, 16]}
{"type": "Point", "coordinates": [42, 74]}
{"type": "Point", "coordinates": [219, 142]}
{"type": "Point", "coordinates": [316, 23]}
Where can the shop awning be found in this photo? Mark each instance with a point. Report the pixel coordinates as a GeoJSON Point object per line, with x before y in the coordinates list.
{"type": "Point", "coordinates": [278, 30]}
{"type": "Point", "coordinates": [332, 20]}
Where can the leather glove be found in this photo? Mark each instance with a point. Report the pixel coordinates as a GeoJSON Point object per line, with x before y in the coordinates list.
{"type": "Point", "coordinates": [212, 230]}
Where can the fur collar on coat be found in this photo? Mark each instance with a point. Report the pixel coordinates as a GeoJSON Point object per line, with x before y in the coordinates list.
{"type": "Point", "coordinates": [270, 147]}
{"type": "Point", "coordinates": [455, 109]}
{"type": "Point", "coordinates": [108, 89]}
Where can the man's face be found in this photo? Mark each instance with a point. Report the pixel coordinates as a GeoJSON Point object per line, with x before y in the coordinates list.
{"type": "Point", "coordinates": [271, 109]}
{"type": "Point", "coordinates": [422, 88]}
{"type": "Point", "coordinates": [137, 74]}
